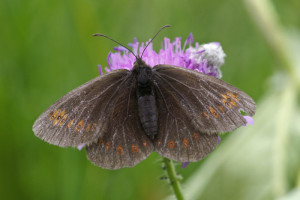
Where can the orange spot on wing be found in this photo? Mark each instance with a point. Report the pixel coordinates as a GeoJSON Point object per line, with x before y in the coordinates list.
{"type": "Point", "coordinates": [233, 95]}
{"type": "Point", "coordinates": [195, 136]}
{"type": "Point", "coordinates": [88, 127]}
{"type": "Point", "coordinates": [79, 126]}
{"type": "Point", "coordinates": [53, 116]}
{"type": "Point", "coordinates": [145, 143]}
{"type": "Point", "coordinates": [171, 144]}
{"type": "Point", "coordinates": [71, 123]}
{"type": "Point", "coordinates": [120, 150]}
{"type": "Point", "coordinates": [107, 145]}
{"type": "Point", "coordinates": [185, 143]}
{"type": "Point", "coordinates": [231, 101]}
{"type": "Point", "coordinates": [226, 103]}
{"type": "Point", "coordinates": [224, 96]}
{"type": "Point", "coordinates": [63, 120]}
{"type": "Point", "coordinates": [59, 117]}
{"type": "Point", "coordinates": [100, 141]}
{"type": "Point", "coordinates": [206, 115]}
{"type": "Point", "coordinates": [134, 148]}
{"type": "Point", "coordinates": [221, 108]}
{"type": "Point", "coordinates": [213, 112]}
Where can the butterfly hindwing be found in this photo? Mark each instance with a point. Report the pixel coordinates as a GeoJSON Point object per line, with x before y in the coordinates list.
{"type": "Point", "coordinates": [82, 115]}
{"type": "Point", "coordinates": [211, 104]}
{"type": "Point", "coordinates": [124, 143]}
{"type": "Point", "coordinates": [177, 137]}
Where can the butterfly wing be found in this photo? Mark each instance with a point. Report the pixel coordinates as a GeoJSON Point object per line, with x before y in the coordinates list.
{"type": "Point", "coordinates": [192, 108]}
{"type": "Point", "coordinates": [124, 144]}
{"type": "Point", "coordinates": [211, 104]}
{"type": "Point", "coordinates": [177, 138]}
{"type": "Point", "coordinates": [81, 116]}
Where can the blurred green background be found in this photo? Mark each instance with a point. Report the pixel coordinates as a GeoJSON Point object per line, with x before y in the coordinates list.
{"type": "Point", "coordinates": [46, 49]}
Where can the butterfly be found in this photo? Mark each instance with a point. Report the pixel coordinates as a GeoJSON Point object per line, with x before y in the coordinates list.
{"type": "Point", "coordinates": [124, 115]}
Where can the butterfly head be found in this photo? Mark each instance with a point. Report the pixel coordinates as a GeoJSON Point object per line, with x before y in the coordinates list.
{"type": "Point", "coordinates": [142, 70]}
{"type": "Point", "coordinates": [139, 63]}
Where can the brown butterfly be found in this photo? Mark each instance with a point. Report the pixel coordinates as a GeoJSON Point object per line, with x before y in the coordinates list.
{"type": "Point", "coordinates": [123, 116]}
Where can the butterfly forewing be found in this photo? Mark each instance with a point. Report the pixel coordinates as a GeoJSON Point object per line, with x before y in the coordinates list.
{"type": "Point", "coordinates": [124, 143]}
{"type": "Point", "coordinates": [211, 105]}
{"type": "Point", "coordinates": [81, 116]}
{"type": "Point", "coordinates": [177, 137]}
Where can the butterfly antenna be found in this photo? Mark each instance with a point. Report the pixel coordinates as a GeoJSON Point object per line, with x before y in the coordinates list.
{"type": "Point", "coordinates": [98, 34]}
{"type": "Point", "coordinates": [165, 26]}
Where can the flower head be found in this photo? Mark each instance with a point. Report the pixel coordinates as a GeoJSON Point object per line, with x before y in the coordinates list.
{"type": "Point", "coordinates": [205, 58]}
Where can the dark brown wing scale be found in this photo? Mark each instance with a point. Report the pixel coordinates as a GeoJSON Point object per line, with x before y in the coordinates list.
{"type": "Point", "coordinates": [124, 143]}
{"type": "Point", "coordinates": [211, 104]}
{"type": "Point", "coordinates": [81, 116]}
{"type": "Point", "coordinates": [177, 138]}
{"type": "Point", "coordinates": [192, 109]}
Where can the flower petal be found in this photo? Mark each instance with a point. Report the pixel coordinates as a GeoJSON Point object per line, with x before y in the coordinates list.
{"type": "Point", "coordinates": [249, 120]}
{"type": "Point", "coordinates": [184, 164]}
{"type": "Point", "coordinates": [100, 69]}
{"type": "Point", "coordinates": [79, 147]}
{"type": "Point", "coordinates": [219, 139]}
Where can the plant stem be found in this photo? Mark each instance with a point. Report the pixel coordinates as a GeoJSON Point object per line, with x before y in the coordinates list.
{"type": "Point", "coordinates": [174, 179]}
{"type": "Point", "coordinates": [298, 180]}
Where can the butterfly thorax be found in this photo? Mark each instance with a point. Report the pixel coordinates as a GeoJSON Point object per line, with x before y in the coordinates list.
{"type": "Point", "coordinates": [146, 97]}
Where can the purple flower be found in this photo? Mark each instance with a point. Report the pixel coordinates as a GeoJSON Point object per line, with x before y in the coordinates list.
{"type": "Point", "coordinates": [79, 147]}
{"type": "Point", "coordinates": [205, 58]}
{"type": "Point", "coordinates": [184, 164]}
{"type": "Point", "coordinates": [249, 120]}
{"type": "Point", "coordinates": [219, 139]}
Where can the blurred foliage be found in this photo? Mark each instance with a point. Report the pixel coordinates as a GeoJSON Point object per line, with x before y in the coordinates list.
{"type": "Point", "coordinates": [47, 50]}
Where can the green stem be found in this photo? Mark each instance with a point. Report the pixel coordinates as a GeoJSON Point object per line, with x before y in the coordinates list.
{"type": "Point", "coordinates": [174, 179]}
{"type": "Point", "coordinates": [298, 180]}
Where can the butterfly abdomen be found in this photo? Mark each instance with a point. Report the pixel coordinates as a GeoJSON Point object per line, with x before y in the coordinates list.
{"type": "Point", "coordinates": [146, 101]}
{"type": "Point", "coordinates": [148, 114]}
